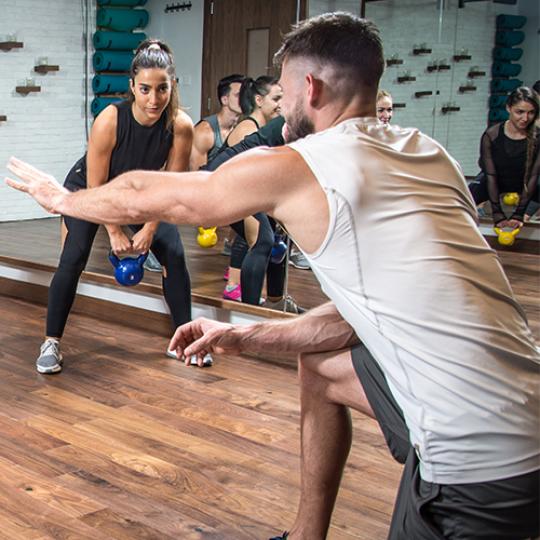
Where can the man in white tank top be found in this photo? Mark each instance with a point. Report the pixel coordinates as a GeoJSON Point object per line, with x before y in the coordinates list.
{"type": "Point", "coordinates": [423, 332]}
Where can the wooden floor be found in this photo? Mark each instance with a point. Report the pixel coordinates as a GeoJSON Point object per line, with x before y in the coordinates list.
{"type": "Point", "coordinates": [128, 444]}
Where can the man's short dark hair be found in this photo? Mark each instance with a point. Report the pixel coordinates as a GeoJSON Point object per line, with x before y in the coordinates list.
{"type": "Point", "coordinates": [224, 85]}
{"type": "Point", "coordinates": [348, 42]}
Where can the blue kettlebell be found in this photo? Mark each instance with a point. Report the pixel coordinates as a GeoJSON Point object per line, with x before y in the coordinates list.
{"type": "Point", "coordinates": [129, 270]}
{"type": "Point", "coordinates": [279, 249]}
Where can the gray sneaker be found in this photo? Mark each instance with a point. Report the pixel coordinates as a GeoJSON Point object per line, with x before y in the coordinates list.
{"type": "Point", "coordinates": [50, 359]}
{"type": "Point", "coordinates": [297, 259]}
{"type": "Point", "coordinates": [286, 304]}
{"type": "Point", "coordinates": [152, 264]}
{"type": "Point", "coordinates": [207, 360]}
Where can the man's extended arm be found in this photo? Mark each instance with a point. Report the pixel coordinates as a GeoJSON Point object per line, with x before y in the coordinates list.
{"type": "Point", "coordinates": [321, 329]}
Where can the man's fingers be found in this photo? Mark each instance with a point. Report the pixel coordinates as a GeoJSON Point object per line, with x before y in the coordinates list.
{"type": "Point", "coordinates": [20, 186]}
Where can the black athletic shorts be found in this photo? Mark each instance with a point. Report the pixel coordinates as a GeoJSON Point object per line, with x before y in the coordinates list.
{"type": "Point", "coordinates": [500, 510]}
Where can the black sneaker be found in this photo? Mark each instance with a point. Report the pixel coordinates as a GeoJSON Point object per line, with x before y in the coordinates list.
{"type": "Point", "coordinates": [284, 536]}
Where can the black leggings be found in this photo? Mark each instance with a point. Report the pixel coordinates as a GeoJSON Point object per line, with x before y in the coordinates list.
{"type": "Point", "coordinates": [256, 263]}
{"type": "Point", "coordinates": [166, 246]}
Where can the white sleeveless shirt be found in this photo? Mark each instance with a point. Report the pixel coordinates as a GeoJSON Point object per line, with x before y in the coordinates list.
{"type": "Point", "coordinates": [406, 266]}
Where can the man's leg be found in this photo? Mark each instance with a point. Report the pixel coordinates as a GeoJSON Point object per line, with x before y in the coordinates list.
{"type": "Point", "coordinates": [328, 386]}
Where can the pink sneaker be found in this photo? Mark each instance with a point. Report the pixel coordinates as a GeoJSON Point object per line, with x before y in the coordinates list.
{"type": "Point", "coordinates": [226, 275]}
{"type": "Point", "coordinates": [233, 292]}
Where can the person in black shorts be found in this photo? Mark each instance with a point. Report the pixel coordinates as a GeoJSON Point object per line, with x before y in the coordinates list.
{"type": "Point", "coordinates": [147, 131]}
{"type": "Point", "coordinates": [510, 159]}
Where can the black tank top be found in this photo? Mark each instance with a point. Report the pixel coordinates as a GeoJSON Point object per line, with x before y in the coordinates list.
{"type": "Point", "coordinates": [225, 145]}
{"type": "Point", "coordinates": [137, 147]}
{"type": "Point", "coordinates": [509, 157]}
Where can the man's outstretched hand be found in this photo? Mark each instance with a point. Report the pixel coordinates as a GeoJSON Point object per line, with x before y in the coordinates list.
{"type": "Point", "coordinates": [204, 336]}
{"type": "Point", "coordinates": [39, 185]}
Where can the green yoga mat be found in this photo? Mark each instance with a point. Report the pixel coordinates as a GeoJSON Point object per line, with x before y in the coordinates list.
{"type": "Point", "coordinates": [119, 41]}
{"type": "Point", "coordinates": [110, 84]}
{"type": "Point", "coordinates": [509, 38]}
{"type": "Point", "coordinates": [498, 115]}
{"type": "Point", "coordinates": [511, 21]}
{"type": "Point", "coordinates": [507, 53]}
{"type": "Point", "coordinates": [505, 69]}
{"type": "Point", "coordinates": [505, 85]}
{"type": "Point", "coordinates": [122, 20]}
{"type": "Point", "coordinates": [99, 103]}
{"type": "Point", "coordinates": [112, 60]}
{"type": "Point", "coordinates": [124, 3]}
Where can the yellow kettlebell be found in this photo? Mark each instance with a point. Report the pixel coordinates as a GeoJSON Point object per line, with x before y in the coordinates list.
{"type": "Point", "coordinates": [511, 199]}
{"type": "Point", "coordinates": [506, 238]}
{"type": "Point", "coordinates": [207, 238]}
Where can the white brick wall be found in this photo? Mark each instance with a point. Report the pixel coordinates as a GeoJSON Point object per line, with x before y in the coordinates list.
{"type": "Point", "coordinates": [45, 128]}
{"type": "Point", "coordinates": [411, 22]}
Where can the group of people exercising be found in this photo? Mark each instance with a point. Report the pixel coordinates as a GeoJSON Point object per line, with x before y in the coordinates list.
{"type": "Point", "coordinates": [422, 331]}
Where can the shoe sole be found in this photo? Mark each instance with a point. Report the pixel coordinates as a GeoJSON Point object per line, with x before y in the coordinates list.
{"type": "Point", "coordinates": [299, 266]}
{"type": "Point", "coordinates": [206, 363]}
{"type": "Point", "coordinates": [49, 370]}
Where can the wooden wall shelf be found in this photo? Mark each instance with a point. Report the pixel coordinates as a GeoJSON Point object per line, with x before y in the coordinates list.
{"type": "Point", "coordinates": [8, 45]}
{"type": "Point", "coordinates": [421, 50]}
{"type": "Point", "coordinates": [3, 118]}
{"type": "Point", "coordinates": [446, 110]}
{"type": "Point", "coordinates": [393, 62]}
{"type": "Point", "coordinates": [399, 105]}
{"type": "Point", "coordinates": [46, 69]}
{"type": "Point", "coordinates": [460, 57]}
{"type": "Point", "coordinates": [464, 89]}
{"type": "Point", "coordinates": [27, 89]}
{"type": "Point", "coordinates": [423, 93]}
{"type": "Point", "coordinates": [473, 74]}
{"type": "Point", "coordinates": [406, 79]}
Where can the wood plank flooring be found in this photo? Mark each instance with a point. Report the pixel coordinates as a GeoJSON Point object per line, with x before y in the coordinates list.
{"type": "Point", "coordinates": [128, 444]}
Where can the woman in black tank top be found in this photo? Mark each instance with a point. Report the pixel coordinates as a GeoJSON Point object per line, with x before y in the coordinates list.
{"type": "Point", "coordinates": [260, 103]}
{"type": "Point", "coordinates": [148, 132]}
{"type": "Point", "coordinates": [510, 159]}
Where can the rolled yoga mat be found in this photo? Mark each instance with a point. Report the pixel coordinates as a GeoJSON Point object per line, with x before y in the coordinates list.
{"type": "Point", "coordinates": [507, 53]}
{"type": "Point", "coordinates": [505, 69]}
{"type": "Point", "coordinates": [497, 102]}
{"type": "Point", "coordinates": [112, 60]}
{"type": "Point", "coordinates": [99, 103]}
{"type": "Point", "coordinates": [505, 85]}
{"type": "Point", "coordinates": [110, 84]}
{"type": "Point", "coordinates": [498, 115]}
{"type": "Point", "coordinates": [511, 21]}
{"type": "Point", "coordinates": [119, 41]}
{"type": "Point", "coordinates": [124, 3]}
{"type": "Point", "coordinates": [122, 20]}
{"type": "Point", "coordinates": [509, 38]}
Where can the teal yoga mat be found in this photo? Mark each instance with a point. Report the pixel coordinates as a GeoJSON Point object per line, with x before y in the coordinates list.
{"type": "Point", "coordinates": [509, 38]}
{"type": "Point", "coordinates": [505, 85]}
{"type": "Point", "coordinates": [110, 84]}
{"type": "Point", "coordinates": [496, 102]}
{"type": "Point", "coordinates": [119, 41]}
{"type": "Point", "coordinates": [124, 3]}
{"type": "Point", "coordinates": [498, 115]}
{"type": "Point", "coordinates": [505, 69]}
{"type": "Point", "coordinates": [112, 60]}
{"type": "Point", "coordinates": [511, 21]}
{"type": "Point", "coordinates": [99, 103]}
{"type": "Point", "coordinates": [507, 53]}
{"type": "Point", "coordinates": [122, 20]}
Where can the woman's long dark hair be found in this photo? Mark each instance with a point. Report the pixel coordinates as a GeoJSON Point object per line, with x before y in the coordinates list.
{"type": "Point", "coordinates": [153, 53]}
{"type": "Point", "coordinates": [523, 93]}
{"type": "Point", "coordinates": [254, 87]}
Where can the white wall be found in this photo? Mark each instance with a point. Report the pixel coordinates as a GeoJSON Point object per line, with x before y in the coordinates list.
{"type": "Point", "coordinates": [45, 128]}
{"type": "Point", "coordinates": [531, 46]}
{"type": "Point", "coordinates": [408, 22]}
{"type": "Point", "coordinates": [183, 32]}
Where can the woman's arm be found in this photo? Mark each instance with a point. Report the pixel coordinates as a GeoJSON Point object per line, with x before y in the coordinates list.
{"type": "Point", "coordinates": [241, 131]}
{"type": "Point", "coordinates": [530, 186]}
{"type": "Point", "coordinates": [177, 161]}
{"type": "Point", "coordinates": [98, 160]}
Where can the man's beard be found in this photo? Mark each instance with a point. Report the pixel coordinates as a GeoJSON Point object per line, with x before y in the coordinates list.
{"type": "Point", "coordinates": [298, 125]}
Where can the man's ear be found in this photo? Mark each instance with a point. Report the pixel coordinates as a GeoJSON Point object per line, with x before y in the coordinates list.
{"type": "Point", "coordinates": [314, 90]}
